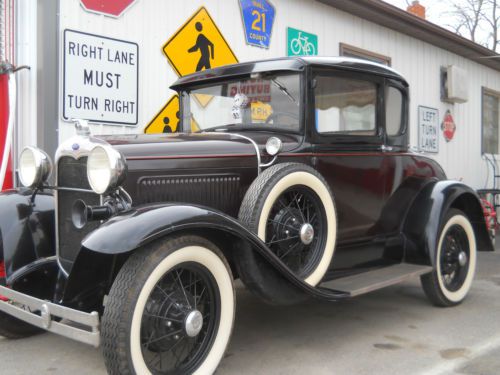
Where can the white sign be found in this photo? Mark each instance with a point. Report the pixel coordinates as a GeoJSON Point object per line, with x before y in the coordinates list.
{"type": "Point", "coordinates": [100, 81]}
{"type": "Point", "coordinates": [428, 129]}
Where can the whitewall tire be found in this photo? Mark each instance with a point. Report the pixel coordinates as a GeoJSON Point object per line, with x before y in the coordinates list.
{"type": "Point", "coordinates": [455, 263]}
{"type": "Point", "coordinates": [170, 310]}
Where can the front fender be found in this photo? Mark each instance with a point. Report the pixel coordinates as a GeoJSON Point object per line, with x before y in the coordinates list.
{"type": "Point", "coordinates": [26, 229]}
{"type": "Point", "coordinates": [135, 228]}
{"type": "Point", "coordinates": [425, 219]}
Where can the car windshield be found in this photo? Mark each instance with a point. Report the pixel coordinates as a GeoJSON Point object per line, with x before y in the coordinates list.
{"type": "Point", "coordinates": [270, 102]}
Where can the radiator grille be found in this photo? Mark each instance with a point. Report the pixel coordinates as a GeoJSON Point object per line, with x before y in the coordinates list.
{"type": "Point", "coordinates": [72, 173]}
{"type": "Point", "coordinates": [221, 192]}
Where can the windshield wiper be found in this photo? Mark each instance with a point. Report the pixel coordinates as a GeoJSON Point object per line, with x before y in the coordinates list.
{"type": "Point", "coordinates": [283, 89]}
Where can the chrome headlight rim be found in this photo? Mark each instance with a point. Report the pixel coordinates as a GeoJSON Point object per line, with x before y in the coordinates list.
{"type": "Point", "coordinates": [106, 169]}
{"type": "Point", "coordinates": [42, 167]}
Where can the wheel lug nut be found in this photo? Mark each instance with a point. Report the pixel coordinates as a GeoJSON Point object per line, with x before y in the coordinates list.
{"type": "Point", "coordinates": [176, 337]}
{"type": "Point", "coordinates": [169, 323]}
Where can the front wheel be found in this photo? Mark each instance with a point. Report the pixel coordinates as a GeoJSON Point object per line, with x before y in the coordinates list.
{"type": "Point", "coordinates": [13, 328]}
{"type": "Point", "coordinates": [170, 310]}
{"type": "Point", "coordinates": [455, 262]}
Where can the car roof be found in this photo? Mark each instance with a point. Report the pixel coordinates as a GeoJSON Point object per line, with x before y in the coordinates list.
{"type": "Point", "coordinates": [287, 64]}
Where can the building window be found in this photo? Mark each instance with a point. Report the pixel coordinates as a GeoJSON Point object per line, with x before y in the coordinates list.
{"type": "Point", "coordinates": [490, 121]}
{"type": "Point", "coordinates": [345, 106]}
{"type": "Point", "coordinates": [359, 53]}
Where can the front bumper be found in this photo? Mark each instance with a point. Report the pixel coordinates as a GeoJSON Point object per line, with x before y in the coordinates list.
{"type": "Point", "coordinates": [74, 324]}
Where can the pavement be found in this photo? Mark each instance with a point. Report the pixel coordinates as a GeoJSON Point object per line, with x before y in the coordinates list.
{"type": "Point", "coordinates": [390, 331]}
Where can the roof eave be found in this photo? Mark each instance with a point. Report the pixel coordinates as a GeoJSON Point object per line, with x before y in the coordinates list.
{"type": "Point", "coordinates": [389, 16]}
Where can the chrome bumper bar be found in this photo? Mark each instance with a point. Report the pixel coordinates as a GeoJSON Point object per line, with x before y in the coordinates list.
{"type": "Point", "coordinates": [74, 324]}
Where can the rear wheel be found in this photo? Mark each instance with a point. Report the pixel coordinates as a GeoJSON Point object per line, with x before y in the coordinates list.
{"type": "Point", "coordinates": [12, 328]}
{"type": "Point", "coordinates": [170, 310]}
{"type": "Point", "coordinates": [455, 266]}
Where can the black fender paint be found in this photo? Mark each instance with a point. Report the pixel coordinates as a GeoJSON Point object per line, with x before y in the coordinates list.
{"type": "Point", "coordinates": [26, 229]}
{"type": "Point", "coordinates": [135, 228]}
{"type": "Point", "coordinates": [425, 219]}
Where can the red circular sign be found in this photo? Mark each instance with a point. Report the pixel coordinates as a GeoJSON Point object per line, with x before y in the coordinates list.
{"type": "Point", "coordinates": [112, 8]}
{"type": "Point", "coordinates": [448, 126]}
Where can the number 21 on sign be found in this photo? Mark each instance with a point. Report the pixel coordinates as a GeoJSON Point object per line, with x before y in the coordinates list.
{"type": "Point", "coordinates": [260, 18]}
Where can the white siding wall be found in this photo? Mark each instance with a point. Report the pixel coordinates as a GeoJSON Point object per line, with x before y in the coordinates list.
{"type": "Point", "coordinates": [151, 23]}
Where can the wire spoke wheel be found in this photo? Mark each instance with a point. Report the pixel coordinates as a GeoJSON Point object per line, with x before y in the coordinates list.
{"type": "Point", "coordinates": [170, 310]}
{"type": "Point", "coordinates": [454, 258]}
{"type": "Point", "coordinates": [179, 320]}
{"type": "Point", "coordinates": [455, 261]}
{"type": "Point", "coordinates": [296, 229]}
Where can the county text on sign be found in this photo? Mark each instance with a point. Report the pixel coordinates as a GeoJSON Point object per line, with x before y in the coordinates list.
{"type": "Point", "coordinates": [428, 129]}
{"type": "Point", "coordinates": [100, 79]}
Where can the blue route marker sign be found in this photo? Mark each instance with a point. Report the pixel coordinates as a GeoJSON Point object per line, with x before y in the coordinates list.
{"type": "Point", "coordinates": [258, 18]}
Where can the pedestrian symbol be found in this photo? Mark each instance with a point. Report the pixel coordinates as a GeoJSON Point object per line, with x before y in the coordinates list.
{"type": "Point", "coordinates": [203, 45]}
{"type": "Point", "coordinates": [198, 45]}
{"type": "Point", "coordinates": [167, 120]}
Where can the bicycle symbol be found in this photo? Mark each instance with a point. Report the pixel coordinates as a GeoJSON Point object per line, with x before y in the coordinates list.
{"type": "Point", "coordinates": [302, 46]}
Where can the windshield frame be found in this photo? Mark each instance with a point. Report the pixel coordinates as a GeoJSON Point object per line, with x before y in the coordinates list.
{"type": "Point", "coordinates": [184, 98]}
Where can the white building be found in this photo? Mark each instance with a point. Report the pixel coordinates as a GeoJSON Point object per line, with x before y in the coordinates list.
{"type": "Point", "coordinates": [373, 29]}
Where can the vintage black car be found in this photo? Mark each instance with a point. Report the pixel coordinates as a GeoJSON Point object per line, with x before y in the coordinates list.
{"type": "Point", "coordinates": [293, 175]}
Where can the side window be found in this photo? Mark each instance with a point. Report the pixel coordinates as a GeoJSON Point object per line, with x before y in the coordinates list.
{"type": "Point", "coordinates": [393, 111]}
{"type": "Point", "coordinates": [345, 106]}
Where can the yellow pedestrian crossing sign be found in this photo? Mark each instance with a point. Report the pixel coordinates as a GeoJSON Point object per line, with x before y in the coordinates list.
{"type": "Point", "coordinates": [167, 120]}
{"type": "Point", "coordinates": [198, 45]}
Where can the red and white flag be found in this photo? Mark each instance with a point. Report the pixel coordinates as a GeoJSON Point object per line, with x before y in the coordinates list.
{"type": "Point", "coordinates": [5, 135]}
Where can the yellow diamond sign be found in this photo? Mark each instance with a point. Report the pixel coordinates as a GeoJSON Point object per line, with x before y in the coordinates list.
{"type": "Point", "coordinates": [198, 45]}
{"type": "Point", "coordinates": [167, 120]}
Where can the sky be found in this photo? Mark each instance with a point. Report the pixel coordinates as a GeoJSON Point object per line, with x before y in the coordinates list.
{"type": "Point", "coordinates": [435, 9]}
{"type": "Point", "coordinates": [438, 12]}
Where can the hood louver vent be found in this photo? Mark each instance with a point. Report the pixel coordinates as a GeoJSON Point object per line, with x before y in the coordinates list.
{"type": "Point", "coordinates": [221, 192]}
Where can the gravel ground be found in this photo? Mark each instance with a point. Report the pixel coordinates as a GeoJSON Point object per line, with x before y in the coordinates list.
{"type": "Point", "coordinates": [391, 331]}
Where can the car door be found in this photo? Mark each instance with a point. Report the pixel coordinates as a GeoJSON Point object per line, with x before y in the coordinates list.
{"type": "Point", "coordinates": [349, 152]}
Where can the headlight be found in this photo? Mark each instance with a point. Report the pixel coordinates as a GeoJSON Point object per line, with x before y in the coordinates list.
{"type": "Point", "coordinates": [35, 167]}
{"type": "Point", "coordinates": [106, 169]}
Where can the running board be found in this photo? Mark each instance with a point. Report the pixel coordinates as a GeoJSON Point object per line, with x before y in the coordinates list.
{"type": "Point", "coordinates": [372, 280]}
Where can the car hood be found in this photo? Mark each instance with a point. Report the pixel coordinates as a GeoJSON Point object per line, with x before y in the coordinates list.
{"type": "Point", "coordinates": [196, 145]}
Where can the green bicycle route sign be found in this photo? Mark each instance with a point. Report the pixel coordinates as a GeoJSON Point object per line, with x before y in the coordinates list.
{"type": "Point", "coordinates": [300, 43]}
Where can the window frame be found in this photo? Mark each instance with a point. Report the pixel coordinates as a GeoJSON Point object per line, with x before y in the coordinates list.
{"type": "Point", "coordinates": [348, 50]}
{"type": "Point", "coordinates": [487, 91]}
{"type": "Point", "coordinates": [343, 140]}
{"type": "Point", "coordinates": [399, 140]}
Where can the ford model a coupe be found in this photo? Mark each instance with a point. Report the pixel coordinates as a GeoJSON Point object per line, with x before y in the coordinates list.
{"type": "Point", "coordinates": [292, 175]}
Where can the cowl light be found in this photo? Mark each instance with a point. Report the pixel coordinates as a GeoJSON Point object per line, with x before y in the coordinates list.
{"type": "Point", "coordinates": [273, 146]}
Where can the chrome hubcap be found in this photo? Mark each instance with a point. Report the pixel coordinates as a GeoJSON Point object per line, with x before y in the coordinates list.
{"type": "Point", "coordinates": [193, 323]}
{"type": "Point", "coordinates": [462, 258]}
{"type": "Point", "coordinates": [306, 233]}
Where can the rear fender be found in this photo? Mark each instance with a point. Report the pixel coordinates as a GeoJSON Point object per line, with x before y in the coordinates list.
{"type": "Point", "coordinates": [26, 230]}
{"type": "Point", "coordinates": [425, 219]}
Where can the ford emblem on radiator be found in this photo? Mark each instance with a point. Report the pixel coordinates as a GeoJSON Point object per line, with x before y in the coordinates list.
{"type": "Point", "coordinates": [75, 146]}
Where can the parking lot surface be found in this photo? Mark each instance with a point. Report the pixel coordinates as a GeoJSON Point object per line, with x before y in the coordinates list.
{"type": "Point", "coordinates": [391, 331]}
